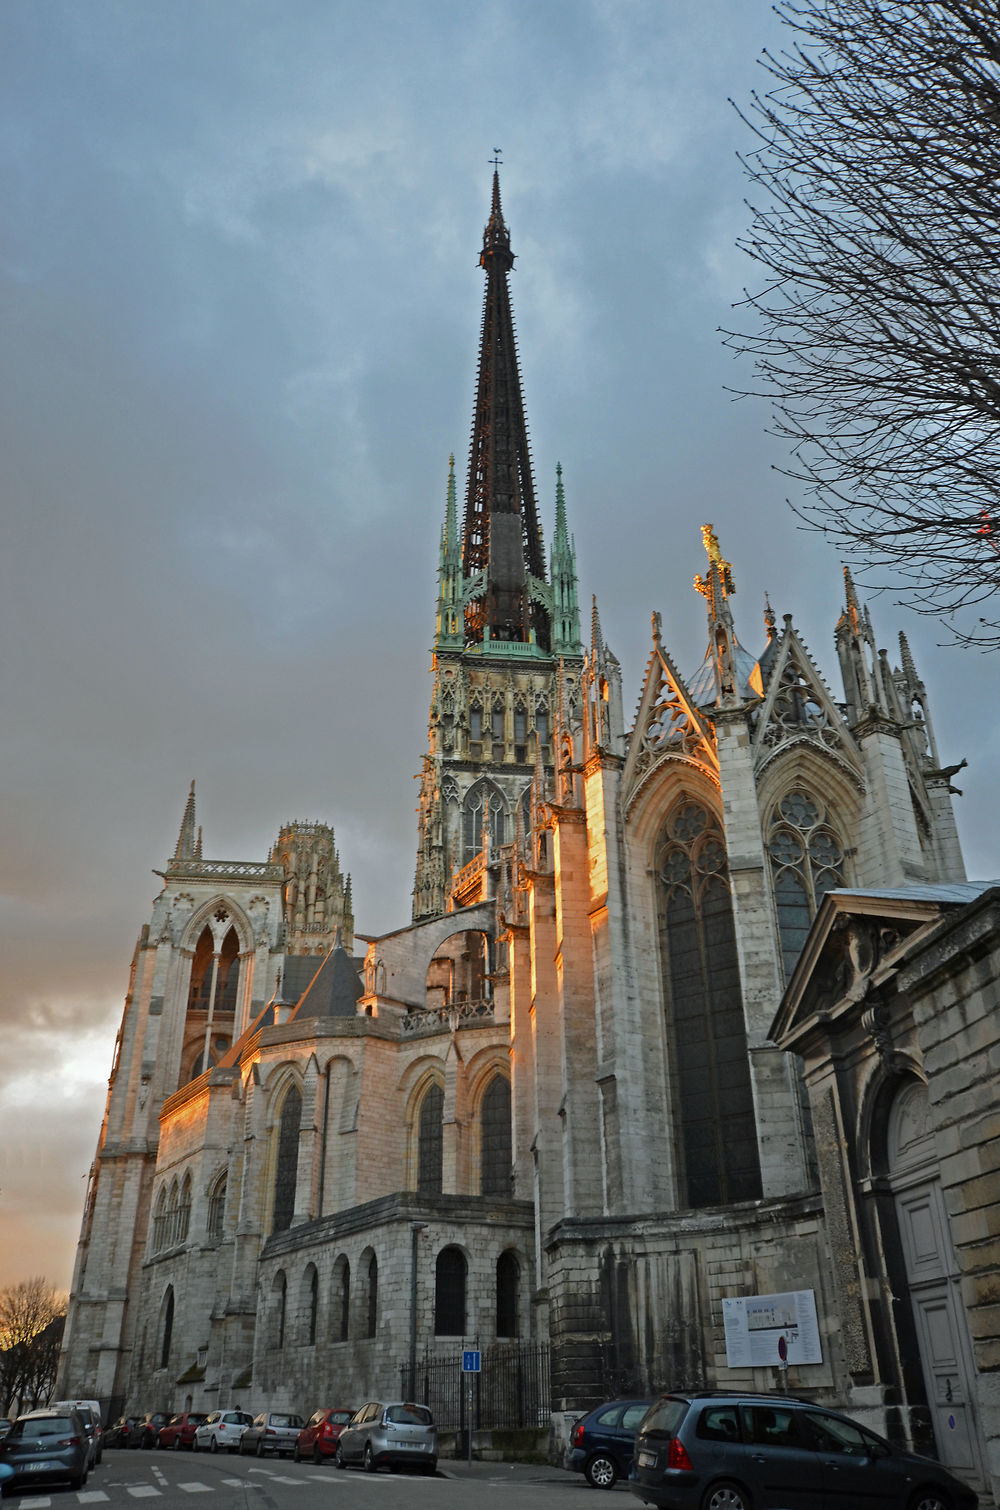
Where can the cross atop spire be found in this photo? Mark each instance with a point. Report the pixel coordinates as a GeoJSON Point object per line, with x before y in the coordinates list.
{"type": "Point", "coordinates": [501, 538]}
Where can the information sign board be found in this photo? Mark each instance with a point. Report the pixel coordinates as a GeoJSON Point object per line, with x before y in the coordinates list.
{"type": "Point", "coordinates": [771, 1330]}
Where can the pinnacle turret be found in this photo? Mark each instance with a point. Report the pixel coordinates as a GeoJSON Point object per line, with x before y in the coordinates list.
{"type": "Point", "coordinates": [565, 602]}
{"type": "Point", "coordinates": [450, 628]}
{"type": "Point", "coordinates": [189, 838]}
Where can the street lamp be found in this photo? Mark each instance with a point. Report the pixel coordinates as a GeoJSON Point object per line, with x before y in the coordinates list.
{"type": "Point", "coordinates": [415, 1230]}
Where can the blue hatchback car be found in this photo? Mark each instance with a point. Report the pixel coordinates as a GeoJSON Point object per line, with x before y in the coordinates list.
{"type": "Point", "coordinates": [601, 1443]}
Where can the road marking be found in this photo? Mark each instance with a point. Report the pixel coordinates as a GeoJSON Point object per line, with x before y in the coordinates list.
{"type": "Point", "coordinates": [91, 1496]}
{"type": "Point", "coordinates": [35, 1502]}
{"type": "Point", "coordinates": [142, 1491]}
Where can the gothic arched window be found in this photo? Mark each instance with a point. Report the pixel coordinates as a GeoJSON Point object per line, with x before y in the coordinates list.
{"type": "Point", "coordinates": [372, 1296]}
{"type": "Point", "coordinates": [704, 1012]}
{"type": "Point", "coordinates": [160, 1221]}
{"type": "Point", "coordinates": [430, 1141]}
{"type": "Point", "coordinates": [217, 1209]}
{"type": "Point", "coordinates": [279, 1299]}
{"type": "Point", "coordinates": [806, 863]}
{"type": "Point", "coordinates": [286, 1171]}
{"type": "Point", "coordinates": [168, 1328]}
{"type": "Point", "coordinates": [495, 1155]}
{"type": "Point", "coordinates": [473, 816]}
{"type": "Point", "coordinates": [341, 1309]}
{"type": "Point", "coordinates": [184, 1210]}
{"type": "Point", "coordinates": [508, 1285]}
{"type": "Point", "coordinates": [449, 1293]}
{"type": "Point", "coordinates": [311, 1301]}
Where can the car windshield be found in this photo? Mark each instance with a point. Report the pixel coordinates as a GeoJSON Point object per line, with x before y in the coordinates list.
{"type": "Point", "coordinates": [663, 1418]}
{"type": "Point", "coordinates": [408, 1415]}
{"type": "Point", "coordinates": [46, 1426]}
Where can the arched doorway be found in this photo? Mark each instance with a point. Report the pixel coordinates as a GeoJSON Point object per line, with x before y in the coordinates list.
{"type": "Point", "coordinates": [932, 1279]}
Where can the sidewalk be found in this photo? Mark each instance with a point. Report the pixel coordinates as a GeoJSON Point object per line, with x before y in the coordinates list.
{"type": "Point", "coordinates": [510, 1473]}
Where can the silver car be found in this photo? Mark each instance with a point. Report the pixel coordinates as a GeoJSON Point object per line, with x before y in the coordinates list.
{"type": "Point", "coordinates": [221, 1429]}
{"type": "Point", "coordinates": [272, 1431]}
{"type": "Point", "coordinates": [390, 1434]}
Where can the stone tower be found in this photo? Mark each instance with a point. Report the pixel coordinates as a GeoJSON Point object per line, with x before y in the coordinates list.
{"type": "Point", "coordinates": [506, 631]}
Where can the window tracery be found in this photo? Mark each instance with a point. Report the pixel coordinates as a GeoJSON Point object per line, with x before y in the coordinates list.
{"type": "Point", "coordinates": [704, 1011]}
{"type": "Point", "coordinates": [807, 861]}
{"type": "Point", "coordinates": [495, 1156]}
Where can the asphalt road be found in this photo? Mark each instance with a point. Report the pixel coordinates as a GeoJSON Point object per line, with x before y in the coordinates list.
{"type": "Point", "coordinates": [239, 1483]}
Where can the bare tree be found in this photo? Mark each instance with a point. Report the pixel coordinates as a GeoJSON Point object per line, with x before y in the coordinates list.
{"type": "Point", "coordinates": [878, 337]}
{"type": "Point", "coordinates": [32, 1315]}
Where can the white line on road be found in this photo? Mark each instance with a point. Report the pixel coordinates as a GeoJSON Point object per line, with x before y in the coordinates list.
{"type": "Point", "coordinates": [142, 1491]}
{"type": "Point", "coordinates": [204, 1488]}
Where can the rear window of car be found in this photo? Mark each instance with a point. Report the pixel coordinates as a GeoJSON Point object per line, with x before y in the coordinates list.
{"type": "Point", "coordinates": [663, 1418]}
{"type": "Point", "coordinates": [608, 1416]}
{"type": "Point", "coordinates": [632, 1416]}
{"type": "Point", "coordinates": [339, 1417]}
{"type": "Point", "coordinates": [45, 1426]}
{"type": "Point", "coordinates": [277, 1420]}
{"type": "Point", "coordinates": [195, 1420]}
{"type": "Point", "coordinates": [408, 1415]}
{"type": "Point", "coordinates": [718, 1423]}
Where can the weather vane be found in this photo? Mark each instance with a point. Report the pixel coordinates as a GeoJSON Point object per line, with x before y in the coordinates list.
{"type": "Point", "coordinates": [496, 159]}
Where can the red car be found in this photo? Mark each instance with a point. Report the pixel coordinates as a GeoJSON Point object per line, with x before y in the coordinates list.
{"type": "Point", "coordinates": [179, 1430]}
{"type": "Point", "coordinates": [318, 1438]}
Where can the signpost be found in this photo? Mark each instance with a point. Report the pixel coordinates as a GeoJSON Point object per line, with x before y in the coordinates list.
{"type": "Point", "coordinates": [472, 1363]}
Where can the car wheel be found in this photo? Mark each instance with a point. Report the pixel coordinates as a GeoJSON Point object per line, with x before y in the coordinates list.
{"type": "Point", "coordinates": [929, 1499]}
{"type": "Point", "coordinates": [213, 1443]}
{"type": "Point", "coordinates": [726, 1496]}
{"type": "Point", "coordinates": [317, 1455]}
{"type": "Point", "coordinates": [369, 1459]}
{"type": "Point", "coordinates": [194, 1446]}
{"type": "Point", "coordinates": [601, 1471]}
{"type": "Point", "coordinates": [338, 1458]}
{"type": "Point", "coordinates": [78, 1480]}
{"type": "Point", "coordinates": [176, 1444]}
{"type": "Point", "coordinates": [260, 1447]}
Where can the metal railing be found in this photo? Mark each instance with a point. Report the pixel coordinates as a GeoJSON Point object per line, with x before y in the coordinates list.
{"type": "Point", "coordinates": [512, 1389]}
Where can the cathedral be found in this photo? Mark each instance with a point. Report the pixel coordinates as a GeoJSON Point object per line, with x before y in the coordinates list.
{"type": "Point", "coordinates": [694, 1025]}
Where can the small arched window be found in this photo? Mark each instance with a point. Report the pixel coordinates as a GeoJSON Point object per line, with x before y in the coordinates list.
{"type": "Point", "coordinates": [341, 1308]}
{"type": "Point", "coordinates": [279, 1301]}
{"type": "Point", "coordinates": [312, 1305]}
{"type": "Point", "coordinates": [449, 1293]}
{"type": "Point", "coordinates": [160, 1221]}
{"type": "Point", "coordinates": [508, 1287]}
{"type": "Point", "coordinates": [286, 1172]}
{"type": "Point", "coordinates": [372, 1296]}
{"type": "Point", "coordinates": [495, 1157]}
{"type": "Point", "coordinates": [430, 1141]}
{"type": "Point", "coordinates": [184, 1210]}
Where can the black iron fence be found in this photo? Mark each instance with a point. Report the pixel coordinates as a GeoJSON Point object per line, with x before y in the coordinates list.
{"type": "Point", "coordinates": [511, 1389]}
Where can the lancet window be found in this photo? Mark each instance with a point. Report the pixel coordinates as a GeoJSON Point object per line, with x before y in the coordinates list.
{"type": "Point", "coordinates": [508, 1287]}
{"type": "Point", "coordinates": [430, 1141]}
{"type": "Point", "coordinates": [341, 1308]}
{"type": "Point", "coordinates": [495, 1157]}
{"type": "Point", "coordinates": [286, 1166]}
{"type": "Point", "coordinates": [474, 815]}
{"type": "Point", "coordinates": [807, 861]}
{"type": "Point", "coordinates": [217, 1209]}
{"type": "Point", "coordinates": [706, 1033]}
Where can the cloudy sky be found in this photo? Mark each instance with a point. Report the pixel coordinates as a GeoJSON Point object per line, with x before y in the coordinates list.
{"type": "Point", "coordinates": [240, 304]}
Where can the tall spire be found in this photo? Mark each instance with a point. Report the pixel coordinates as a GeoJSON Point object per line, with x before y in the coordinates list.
{"type": "Point", "coordinates": [450, 630]}
{"type": "Point", "coordinates": [188, 841]}
{"type": "Point", "coordinates": [565, 604]}
{"type": "Point", "coordinates": [501, 535]}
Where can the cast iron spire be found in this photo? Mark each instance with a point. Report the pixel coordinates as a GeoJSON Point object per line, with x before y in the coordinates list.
{"type": "Point", "coordinates": [501, 536]}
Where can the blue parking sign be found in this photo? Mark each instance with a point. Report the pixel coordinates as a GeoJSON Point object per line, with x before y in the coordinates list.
{"type": "Point", "coordinates": [471, 1363]}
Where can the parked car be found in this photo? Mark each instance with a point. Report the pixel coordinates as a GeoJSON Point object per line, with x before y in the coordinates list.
{"type": "Point", "coordinates": [118, 1434]}
{"type": "Point", "coordinates": [391, 1434]}
{"type": "Point", "coordinates": [90, 1413]}
{"type": "Point", "coordinates": [44, 1447]}
{"type": "Point", "coordinates": [146, 1429]}
{"type": "Point", "coordinates": [272, 1431]}
{"type": "Point", "coordinates": [712, 1451]}
{"type": "Point", "coordinates": [318, 1438]}
{"type": "Point", "coordinates": [601, 1442]}
{"type": "Point", "coordinates": [179, 1431]}
{"type": "Point", "coordinates": [222, 1428]}
{"type": "Point", "coordinates": [5, 1426]}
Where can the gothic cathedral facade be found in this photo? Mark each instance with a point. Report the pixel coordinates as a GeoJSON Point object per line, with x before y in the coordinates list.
{"type": "Point", "coordinates": [583, 1098]}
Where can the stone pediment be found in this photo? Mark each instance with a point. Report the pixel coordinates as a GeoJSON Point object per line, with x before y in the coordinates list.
{"type": "Point", "coordinates": [857, 940]}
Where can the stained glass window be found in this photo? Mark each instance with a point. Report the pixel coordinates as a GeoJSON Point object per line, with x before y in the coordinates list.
{"type": "Point", "coordinates": [806, 863]}
{"type": "Point", "coordinates": [704, 1012]}
{"type": "Point", "coordinates": [288, 1161]}
{"type": "Point", "coordinates": [430, 1141]}
{"type": "Point", "coordinates": [495, 1150]}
